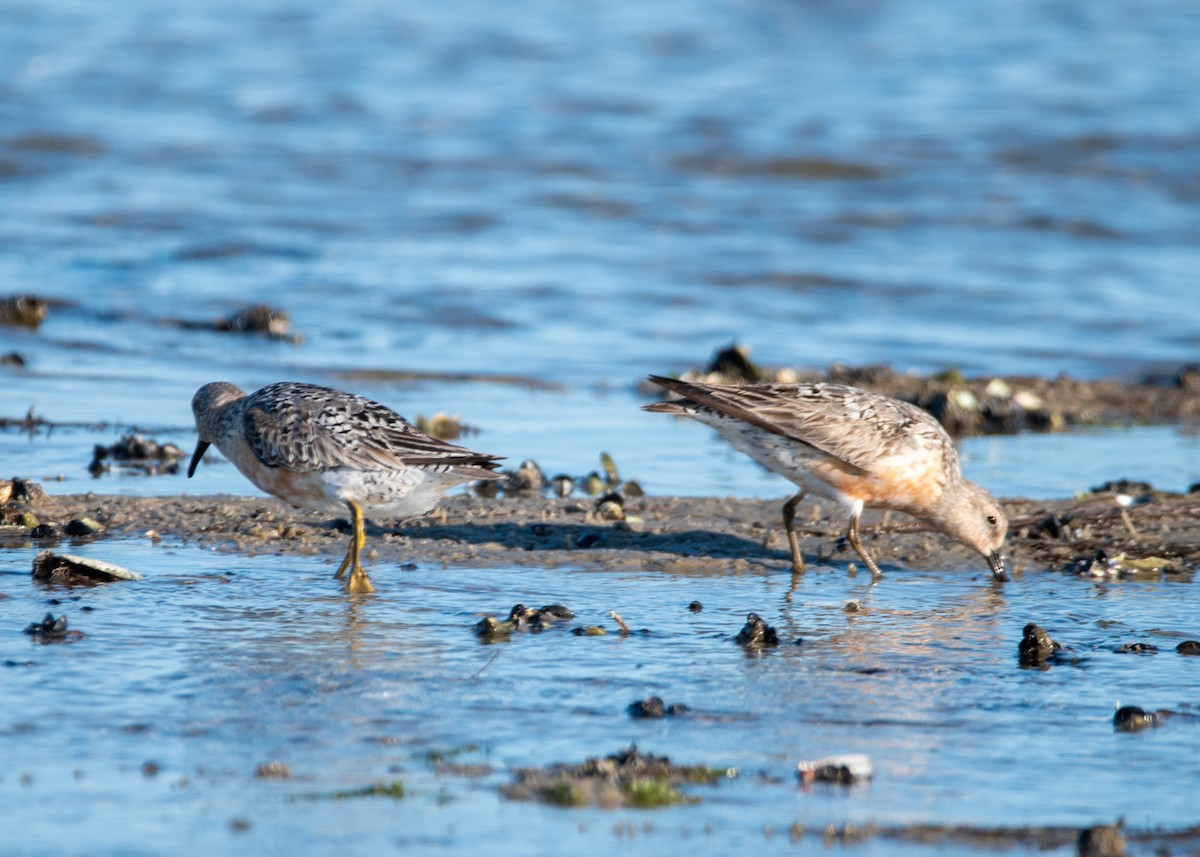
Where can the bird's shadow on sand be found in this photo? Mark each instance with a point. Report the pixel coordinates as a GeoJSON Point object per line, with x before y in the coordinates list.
{"type": "Point", "coordinates": [557, 536]}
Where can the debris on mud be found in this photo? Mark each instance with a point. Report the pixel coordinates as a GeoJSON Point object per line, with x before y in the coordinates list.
{"type": "Point", "coordinates": [685, 535]}
{"type": "Point", "coordinates": [83, 527]}
{"type": "Point", "coordinates": [138, 454]}
{"type": "Point", "coordinates": [1036, 648]}
{"type": "Point", "coordinates": [68, 570]}
{"type": "Point", "coordinates": [756, 633]}
{"type": "Point", "coordinates": [52, 630]}
{"type": "Point", "coordinates": [530, 480]}
{"type": "Point", "coordinates": [21, 493]}
{"type": "Point", "coordinates": [845, 768]}
{"type": "Point", "coordinates": [653, 708]}
{"type": "Point", "coordinates": [627, 778]}
{"type": "Point", "coordinates": [1101, 565]}
{"type": "Point", "coordinates": [521, 618]}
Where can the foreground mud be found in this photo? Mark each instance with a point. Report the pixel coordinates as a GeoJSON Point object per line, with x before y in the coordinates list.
{"type": "Point", "coordinates": [1128, 531]}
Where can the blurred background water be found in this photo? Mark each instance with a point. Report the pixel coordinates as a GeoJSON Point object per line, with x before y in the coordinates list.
{"type": "Point", "coordinates": [580, 193]}
{"type": "Point", "coordinates": [584, 193]}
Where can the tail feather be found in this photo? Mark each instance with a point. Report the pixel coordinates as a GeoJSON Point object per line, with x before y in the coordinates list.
{"type": "Point", "coordinates": [672, 406]}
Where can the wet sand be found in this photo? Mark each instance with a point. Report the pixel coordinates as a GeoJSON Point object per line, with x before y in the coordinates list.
{"type": "Point", "coordinates": [683, 535]}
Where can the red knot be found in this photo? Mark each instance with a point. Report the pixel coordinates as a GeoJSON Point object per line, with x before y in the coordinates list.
{"type": "Point", "coordinates": [858, 448]}
{"type": "Point", "coordinates": [328, 451]}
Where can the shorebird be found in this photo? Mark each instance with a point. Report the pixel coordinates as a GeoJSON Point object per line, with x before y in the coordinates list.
{"type": "Point", "coordinates": [857, 448]}
{"type": "Point", "coordinates": [329, 451]}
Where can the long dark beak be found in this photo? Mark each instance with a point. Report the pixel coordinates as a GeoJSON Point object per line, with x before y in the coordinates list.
{"type": "Point", "coordinates": [996, 561]}
{"type": "Point", "coordinates": [201, 447]}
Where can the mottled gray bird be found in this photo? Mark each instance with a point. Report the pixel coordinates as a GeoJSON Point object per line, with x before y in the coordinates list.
{"type": "Point", "coordinates": [329, 451]}
{"type": "Point", "coordinates": [857, 448]}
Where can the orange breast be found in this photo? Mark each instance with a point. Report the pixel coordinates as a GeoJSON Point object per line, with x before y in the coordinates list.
{"type": "Point", "coordinates": [902, 485]}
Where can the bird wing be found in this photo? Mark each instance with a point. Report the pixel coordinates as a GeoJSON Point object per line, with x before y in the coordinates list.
{"type": "Point", "coordinates": [305, 428]}
{"type": "Point", "coordinates": [824, 416]}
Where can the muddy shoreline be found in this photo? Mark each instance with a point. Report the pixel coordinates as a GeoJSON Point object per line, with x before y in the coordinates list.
{"type": "Point", "coordinates": [1126, 530]}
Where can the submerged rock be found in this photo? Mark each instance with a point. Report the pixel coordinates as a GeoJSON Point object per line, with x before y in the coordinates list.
{"type": "Point", "coordinates": [844, 768]}
{"type": "Point", "coordinates": [1131, 718]}
{"type": "Point", "coordinates": [1036, 647]}
{"type": "Point", "coordinates": [522, 618]}
{"type": "Point", "coordinates": [52, 630]}
{"type": "Point", "coordinates": [653, 708]}
{"type": "Point", "coordinates": [756, 633]}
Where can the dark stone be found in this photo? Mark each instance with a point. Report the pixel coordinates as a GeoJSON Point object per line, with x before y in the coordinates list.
{"type": "Point", "coordinates": [1050, 527]}
{"type": "Point", "coordinates": [652, 708]}
{"type": "Point", "coordinates": [589, 539]}
{"type": "Point", "coordinates": [1103, 840]}
{"type": "Point", "coordinates": [45, 531]}
{"type": "Point", "coordinates": [51, 630]}
{"type": "Point", "coordinates": [733, 362]}
{"type": "Point", "coordinates": [756, 633]}
{"type": "Point", "coordinates": [1036, 646]}
{"type": "Point", "coordinates": [1130, 718]}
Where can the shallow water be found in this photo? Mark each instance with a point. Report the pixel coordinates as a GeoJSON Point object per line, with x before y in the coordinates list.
{"type": "Point", "coordinates": [218, 664]}
{"type": "Point", "coordinates": [579, 195]}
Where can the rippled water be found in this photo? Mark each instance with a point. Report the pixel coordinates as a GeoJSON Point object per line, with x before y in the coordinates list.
{"type": "Point", "coordinates": [580, 194]}
{"type": "Point", "coordinates": [217, 665]}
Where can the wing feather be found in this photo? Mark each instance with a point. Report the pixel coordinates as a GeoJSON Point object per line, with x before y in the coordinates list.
{"type": "Point", "coordinates": [822, 416]}
{"type": "Point", "coordinates": [304, 427]}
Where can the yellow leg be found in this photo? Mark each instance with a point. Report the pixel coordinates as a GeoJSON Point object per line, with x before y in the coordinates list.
{"type": "Point", "coordinates": [357, 582]}
{"type": "Point", "coordinates": [852, 537]}
{"type": "Point", "coordinates": [789, 526]}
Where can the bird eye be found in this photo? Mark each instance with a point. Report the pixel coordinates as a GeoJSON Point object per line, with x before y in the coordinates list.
{"type": "Point", "coordinates": [991, 519]}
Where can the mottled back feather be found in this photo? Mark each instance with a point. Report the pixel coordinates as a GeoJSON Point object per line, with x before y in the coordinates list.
{"type": "Point", "coordinates": [818, 414]}
{"type": "Point", "coordinates": [303, 427]}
